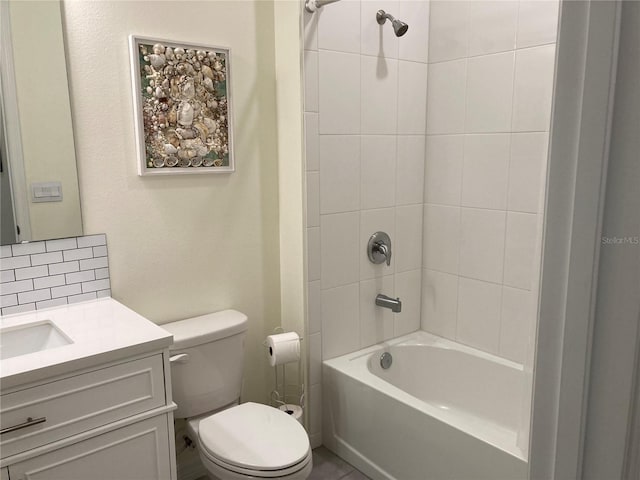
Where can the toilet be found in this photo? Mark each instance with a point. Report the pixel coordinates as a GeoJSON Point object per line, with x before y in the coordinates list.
{"type": "Point", "coordinates": [235, 441]}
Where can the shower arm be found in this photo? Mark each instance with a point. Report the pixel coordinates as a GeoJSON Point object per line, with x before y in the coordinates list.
{"type": "Point", "coordinates": [312, 6]}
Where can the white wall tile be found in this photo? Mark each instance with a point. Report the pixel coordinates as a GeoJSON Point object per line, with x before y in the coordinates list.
{"type": "Point", "coordinates": [34, 296]}
{"type": "Point", "coordinates": [485, 171]}
{"type": "Point", "coordinates": [339, 249]}
{"type": "Point", "coordinates": [526, 171]}
{"type": "Point", "coordinates": [31, 272]}
{"type": "Point", "coordinates": [339, 92]}
{"type": "Point", "coordinates": [439, 303]}
{"type": "Point", "coordinates": [61, 244]}
{"type": "Point", "coordinates": [48, 282]}
{"type": "Point", "coordinates": [340, 320]}
{"type": "Point", "coordinates": [103, 293]}
{"type": "Point", "coordinates": [313, 199]}
{"type": "Point", "coordinates": [482, 244]}
{"type": "Point", "coordinates": [407, 251]}
{"type": "Point", "coordinates": [8, 300]}
{"type": "Point", "coordinates": [415, 43]}
{"type": "Point", "coordinates": [479, 305]}
{"type": "Point", "coordinates": [313, 302]}
{"type": "Point", "coordinates": [516, 320]}
{"type": "Point", "coordinates": [493, 26]}
{"type": "Point", "coordinates": [377, 40]}
{"type": "Point", "coordinates": [102, 273]}
{"type": "Point", "coordinates": [377, 171]}
{"type": "Point", "coordinates": [408, 287]}
{"type": "Point", "coordinates": [441, 238]}
{"type": "Point", "coordinates": [533, 89]}
{"type": "Point", "coordinates": [315, 404]}
{"type": "Point", "coordinates": [410, 169]}
{"type": "Point", "coordinates": [27, 248]}
{"type": "Point", "coordinates": [16, 287]}
{"type": "Point", "coordinates": [7, 276]}
{"type": "Point", "coordinates": [9, 263]}
{"type": "Point", "coordinates": [313, 253]}
{"type": "Point", "coordinates": [446, 97]}
{"type": "Point", "coordinates": [376, 323]}
{"type": "Point", "coordinates": [92, 263]}
{"type": "Point", "coordinates": [312, 148]}
{"type": "Point", "coordinates": [79, 277]}
{"type": "Point", "coordinates": [412, 98]}
{"type": "Point", "coordinates": [448, 30]}
{"type": "Point", "coordinates": [56, 302]}
{"type": "Point", "coordinates": [339, 173]}
{"type": "Point", "coordinates": [379, 88]}
{"type": "Point", "coordinates": [69, 255]}
{"type": "Point", "coordinates": [489, 93]}
{"type": "Point", "coordinates": [67, 290]}
{"type": "Point", "coordinates": [27, 307]}
{"type": "Point", "coordinates": [100, 251]}
{"type": "Point", "coordinates": [5, 251]}
{"type": "Point", "coordinates": [372, 221]}
{"type": "Point", "coordinates": [85, 297]}
{"type": "Point", "coordinates": [443, 169]}
{"type": "Point", "coordinates": [315, 358]}
{"type": "Point", "coordinates": [92, 240]}
{"type": "Point", "coordinates": [520, 249]}
{"type": "Point", "coordinates": [339, 26]}
{"type": "Point", "coordinates": [65, 267]}
{"type": "Point", "coordinates": [537, 22]}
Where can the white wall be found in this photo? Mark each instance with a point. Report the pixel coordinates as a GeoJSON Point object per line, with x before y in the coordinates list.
{"type": "Point", "coordinates": [365, 115]}
{"type": "Point", "coordinates": [489, 106]}
{"type": "Point", "coordinates": [181, 245]}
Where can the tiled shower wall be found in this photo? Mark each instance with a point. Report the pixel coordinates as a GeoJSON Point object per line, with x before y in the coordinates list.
{"type": "Point", "coordinates": [491, 67]}
{"type": "Point", "coordinates": [50, 273]}
{"type": "Point", "coordinates": [365, 124]}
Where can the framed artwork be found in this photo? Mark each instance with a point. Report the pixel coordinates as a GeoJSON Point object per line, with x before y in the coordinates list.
{"type": "Point", "coordinates": [183, 109]}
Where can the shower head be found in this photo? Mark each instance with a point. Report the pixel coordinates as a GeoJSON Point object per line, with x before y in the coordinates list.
{"type": "Point", "coordinates": [399, 27]}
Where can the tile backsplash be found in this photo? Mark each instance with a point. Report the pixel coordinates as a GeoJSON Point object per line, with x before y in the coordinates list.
{"type": "Point", "coordinates": [50, 273]}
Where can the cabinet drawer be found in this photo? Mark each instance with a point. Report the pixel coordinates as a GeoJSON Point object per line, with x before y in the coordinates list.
{"type": "Point", "coordinates": [137, 452]}
{"type": "Point", "coordinates": [76, 404]}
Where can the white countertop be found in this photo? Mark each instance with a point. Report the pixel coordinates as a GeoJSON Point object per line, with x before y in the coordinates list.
{"type": "Point", "coordinates": [102, 331]}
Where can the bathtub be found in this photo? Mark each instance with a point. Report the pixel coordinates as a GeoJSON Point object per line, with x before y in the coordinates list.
{"type": "Point", "coordinates": [441, 411]}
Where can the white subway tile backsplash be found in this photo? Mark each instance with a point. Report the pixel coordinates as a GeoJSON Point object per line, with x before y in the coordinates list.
{"type": "Point", "coordinates": [66, 290]}
{"type": "Point", "coordinates": [339, 173]}
{"type": "Point", "coordinates": [493, 26]}
{"type": "Point", "coordinates": [31, 272]}
{"type": "Point", "coordinates": [485, 171]}
{"type": "Point", "coordinates": [79, 277]}
{"type": "Point", "coordinates": [92, 240]}
{"type": "Point", "coordinates": [339, 93]}
{"type": "Point", "coordinates": [446, 97]}
{"type": "Point", "coordinates": [82, 298]}
{"type": "Point", "coordinates": [412, 98]}
{"type": "Point", "coordinates": [377, 167]}
{"type": "Point", "coordinates": [7, 276]}
{"type": "Point", "coordinates": [66, 267]}
{"type": "Point", "coordinates": [37, 277]}
{"type": "Point", "coordinates": [379, 78]}
{"type": "Point", "coordinates": [489, 93]}
{"type": "Point", "coordinates": [478, 322]}
{"type": "Point", "coordinates": [9, 263]}
{"type": "Point", "coordinates": [27, 248]}
{"type": "Point", "coordinates": [34, 296]}
{"type": "Point", "coordinates": [61, 244]}
{"type": "Point", "coordinates": [46, 258]}
{"type": "Point", "coordinates": [92, 263]}
{"type": "Point", "coordinates": [48, 282]}
{"type": "Point", "coordinates": [16, 287]}
{"type": "Point", "coordinates": [410, 166]}
{"type": "Point", "coordinates": [77, 254]}
{"type": "Point", "coordinates": [533, 89]}
{"type": "Point", "coordinates": [5, 251]}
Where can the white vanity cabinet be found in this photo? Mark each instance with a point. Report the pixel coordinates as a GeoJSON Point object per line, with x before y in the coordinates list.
{"type": "Point", "coordinates": [90, 414]}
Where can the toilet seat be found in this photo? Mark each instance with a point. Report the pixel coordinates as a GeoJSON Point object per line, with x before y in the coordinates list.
{"type": "Point", "coordinates": [254, 440]}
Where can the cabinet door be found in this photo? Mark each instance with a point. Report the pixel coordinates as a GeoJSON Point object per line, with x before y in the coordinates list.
{"type": "Point", "coordinates": [135, 452]}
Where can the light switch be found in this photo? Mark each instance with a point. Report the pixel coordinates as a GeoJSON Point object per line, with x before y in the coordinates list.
{"type": "Point", "coordinates": [46, 192]}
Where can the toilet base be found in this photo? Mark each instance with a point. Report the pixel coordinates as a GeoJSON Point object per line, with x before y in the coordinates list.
{"type": "Point", "coordinates": [215, 472]}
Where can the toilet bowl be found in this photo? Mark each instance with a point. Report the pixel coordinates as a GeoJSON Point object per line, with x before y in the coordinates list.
{"type": "Point", "coordinates": [234, 441]}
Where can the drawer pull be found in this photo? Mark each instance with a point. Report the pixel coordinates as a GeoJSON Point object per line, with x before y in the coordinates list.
{"type": "Point", "coordinates": [179, 358]}
{"type": "Point", "coordinates": [30, 421]}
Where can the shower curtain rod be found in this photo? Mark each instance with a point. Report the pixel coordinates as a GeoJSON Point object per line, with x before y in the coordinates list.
{"type": "Point", "coordinates": [312, 6]}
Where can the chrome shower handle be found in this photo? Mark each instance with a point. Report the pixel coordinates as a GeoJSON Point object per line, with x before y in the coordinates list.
{"type": "Point", "coordinates": [379, 248]}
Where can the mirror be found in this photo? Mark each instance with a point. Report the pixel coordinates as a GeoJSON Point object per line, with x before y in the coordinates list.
{"type": "Point", "coordinates": [39, 183]}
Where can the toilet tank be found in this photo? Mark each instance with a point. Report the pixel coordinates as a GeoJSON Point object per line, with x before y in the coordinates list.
{"type": "Point", "coordinates": [206, 361]}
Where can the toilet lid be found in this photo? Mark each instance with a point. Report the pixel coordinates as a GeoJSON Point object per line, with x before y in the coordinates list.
{"type": "Point", "coordinates": [254, 436]}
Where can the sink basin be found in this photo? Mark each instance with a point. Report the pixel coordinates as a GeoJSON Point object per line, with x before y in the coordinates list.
{"type": "Point", "coordinates": [34, 337]}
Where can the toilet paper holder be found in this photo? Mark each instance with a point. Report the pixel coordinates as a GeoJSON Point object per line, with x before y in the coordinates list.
{"type": "Point", "coordinates": [276, 399]}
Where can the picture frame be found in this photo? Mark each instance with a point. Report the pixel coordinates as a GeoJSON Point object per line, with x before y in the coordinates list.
{"type": "Point", "coordinates": [183, 107]}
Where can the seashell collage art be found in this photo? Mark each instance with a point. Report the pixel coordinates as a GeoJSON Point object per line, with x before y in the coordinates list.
{"type": "Point", "coordinates": [184, 106]}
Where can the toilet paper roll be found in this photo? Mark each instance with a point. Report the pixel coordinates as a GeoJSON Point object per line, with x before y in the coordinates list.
{"type": "Point", "coordinates": [294, 410]}
{"type": "Point", "coordinates": [283, 348]}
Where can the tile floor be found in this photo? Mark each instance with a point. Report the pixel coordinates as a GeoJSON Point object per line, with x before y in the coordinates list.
{"type": "Point", "coordinates": [327, 466]}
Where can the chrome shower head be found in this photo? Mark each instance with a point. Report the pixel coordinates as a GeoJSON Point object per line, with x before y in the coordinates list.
{"type": "Point", "coordinates": [399, 27]}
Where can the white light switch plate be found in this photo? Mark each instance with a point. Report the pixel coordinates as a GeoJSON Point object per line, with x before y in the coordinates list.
{"type": "Point", "coordinates": [46, 192]}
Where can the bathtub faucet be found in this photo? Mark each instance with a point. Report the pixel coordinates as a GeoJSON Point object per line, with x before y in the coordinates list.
{"type": "Point", "coordinates": [393, 304]}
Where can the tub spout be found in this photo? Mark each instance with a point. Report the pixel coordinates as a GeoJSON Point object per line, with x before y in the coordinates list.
{"type": "Point", "coordinates": [393, 304]}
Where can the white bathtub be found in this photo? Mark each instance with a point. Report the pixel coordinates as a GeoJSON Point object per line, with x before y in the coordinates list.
{"type": "Point", "coordinates": [441, 411]}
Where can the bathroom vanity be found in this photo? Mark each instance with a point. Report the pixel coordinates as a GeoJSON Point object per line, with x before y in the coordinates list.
{"type": "Point", "coordinates": [86, 394]}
